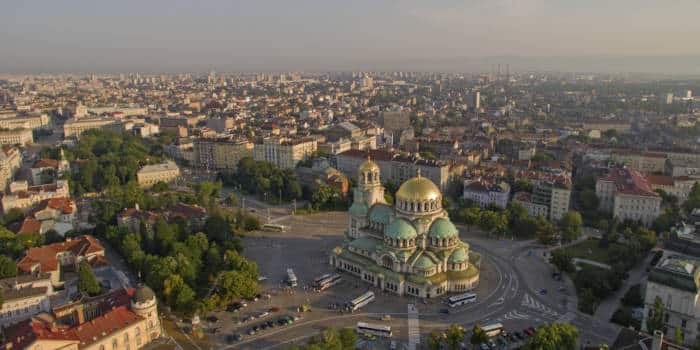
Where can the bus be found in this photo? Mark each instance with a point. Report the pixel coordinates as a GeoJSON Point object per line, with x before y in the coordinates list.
{"type": "Point", "coordinates": [319, 279]}
{"type": "Point", "coordinates": [273, 228]}
{"type": "Point", "coordinates": [493, 330]}
{"type": "Point", "coordinates": [360, 301]}
{"type": "Point", "coordinates": [374, 329]}
{"type": "Point", "coordinates": [461, 299]}
{"type": "Point", "coordinates": [291, 278]}
{"type": "Point", "coordinates": [328, 282]}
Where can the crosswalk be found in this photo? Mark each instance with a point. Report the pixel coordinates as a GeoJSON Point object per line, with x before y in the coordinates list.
{"type": "Point", "coordinates": [532, 303]}
{"type": "Point", "coordinates": [413, 327]}
{"type": "Point", "coordinates": [567, 317]}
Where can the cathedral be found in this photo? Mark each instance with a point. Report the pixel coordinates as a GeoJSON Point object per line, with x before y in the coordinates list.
{"type": "Point", "coordinates": [409, 248]}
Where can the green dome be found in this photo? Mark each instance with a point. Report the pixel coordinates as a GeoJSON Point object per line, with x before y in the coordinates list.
{"type": "Point", "coordinates": [381, 214]}
{"type": "Point", "coordinates": [358, 209]}
{"type": "Point", "coordinates": [424, 263]}
{"type": "Point", "coordinates": [400, 229]}
{"type": "Point", "coordinates": [442, 228]}
{"type": "Point", "coordinates": [459, 256]}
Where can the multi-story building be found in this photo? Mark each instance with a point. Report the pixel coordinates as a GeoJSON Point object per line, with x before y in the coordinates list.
{"type": "Point", "coordinates": [25, 296]}
{"type": "Point", "coordinates": [679, 186]}
{"type": "Point", "coordinates": [58, 214]}
{"type": "Point", "coordinates": [23, 196]}
{"type": "Point", "coordinates": [647, 162]}
{"type": "Point", "coordinates": [486, 193]}
{"type": "Point", "coordinates": [555, 195]}
{"type": "Point", "coordinates": [628, 195]}
{"type": "Point", "coordinates": [65, 256]}
{"type": "Point", "coordinates": [16, 137]}
{"type": "Point", "coordinates": [675, 281]}
{"type": "Point", "coordinates": [26, 121]}
{"type": "Point", "coordinates": [123, 319]}
{"type": "Point", "coordinates": [149, 175]}
{"type": "Point", "coordinates": [533, 209]}
{"type": "Point", "coordinates": [10, 162]}
{"type": "Point", "coordinates": [74, 128]}
{"type": "Point", "coordinates": [221, 154]}
{"type": "Point", "coordinates": [284, 153]}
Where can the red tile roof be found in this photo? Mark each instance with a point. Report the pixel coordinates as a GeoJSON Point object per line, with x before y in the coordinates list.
{"type": "Point", "coordinates": [23, 334]}
{"type": "Point", "coordinates": [30, 225]}
{"type": "Point", "coordinates": [45, 256]}
{"type": "Point", "coordinates": [46, 163]}
{"type": "Point", "coordinates": [628, 181]}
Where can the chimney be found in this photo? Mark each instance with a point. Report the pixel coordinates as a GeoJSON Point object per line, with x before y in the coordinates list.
{"type": "Point", "coordinates": [657, 340]}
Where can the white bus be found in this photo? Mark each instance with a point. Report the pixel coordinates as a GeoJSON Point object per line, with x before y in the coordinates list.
{"type": "Point", "coordinates": [319, 279]}
{"type": "Point", "coordinates": [291, 278]}
{"type": "Point", "coordinates": [360, 301]}
{"type": "Point", "coordinates": [461, 299]}
{"type": "Point", "coordinates": [273, 227]}
{"type": "Point", "coordinates": [493, 330]}
{"type": "Point", "coordinates": [328, 282]}
{"type": "Point", "coordinates": [374, 329]}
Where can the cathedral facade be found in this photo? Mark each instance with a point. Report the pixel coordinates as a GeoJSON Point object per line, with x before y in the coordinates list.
{"type": "Point", "coordinates": [409, 248]}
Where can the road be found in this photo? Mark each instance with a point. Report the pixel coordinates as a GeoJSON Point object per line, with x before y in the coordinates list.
{"type": "Point", "coordinates": [516, 289]}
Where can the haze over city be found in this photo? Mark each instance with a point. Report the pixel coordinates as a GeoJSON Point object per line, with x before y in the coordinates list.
{"type": "Point", "coordinates": [157, 36]}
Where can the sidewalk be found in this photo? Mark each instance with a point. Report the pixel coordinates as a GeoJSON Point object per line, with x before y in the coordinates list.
{"type": "Point", "coordinates": [637, 275]}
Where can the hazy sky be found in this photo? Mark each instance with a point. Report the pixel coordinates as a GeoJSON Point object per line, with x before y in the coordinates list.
{"type": "Point", "coordinates": [167, 35]}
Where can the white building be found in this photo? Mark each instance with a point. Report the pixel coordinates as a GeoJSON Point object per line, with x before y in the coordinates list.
{"type": "Point", "coordinates": [485, 192]}
{"type": "Point", "coordinates": [149, 175]}
{"type": "Point", "coordinates": [628, 195]}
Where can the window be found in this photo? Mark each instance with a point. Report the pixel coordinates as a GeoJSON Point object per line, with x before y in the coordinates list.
{"type": "Point", "coordinates": [684, 323]}
{"type": "Point", "coordinates": [114, 343]}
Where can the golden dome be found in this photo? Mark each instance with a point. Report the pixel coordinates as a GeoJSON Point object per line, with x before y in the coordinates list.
{"type": "Point", "coordinates": [368, 166]}
{"type": "Point", "coordinates": [418, 189]}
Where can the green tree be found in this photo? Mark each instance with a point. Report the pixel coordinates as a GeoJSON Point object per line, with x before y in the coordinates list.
{"type": "Point", "coordinates": [570, 225]}
{"type": "Point", "coordinates": [348, 338]}
{"type": "Point", "coordinates": [455, 337]}
{"type": "Point", "coordinates": [678, 336]}
{"type": "Point", "coordinates": [8, 268]}
{"type": "Point", "coordinates": [251, 223]}
{"type": "Point", "coordinates": [478, 335]}
{"type": "Point", "coordinates": [655, 321]}
{"type": "Point", "coordinates": [545, 231]}
{"type": "Point", "coordinates": [434, 340]}
{"type": "Point", "coordinates": [556, 336]}
{"type": "Point", "coordinates": [87, 281]}
{"type": "Point", "coordinates": [562, 260]}
{"type": "Point", "coordinates": [470, 216]}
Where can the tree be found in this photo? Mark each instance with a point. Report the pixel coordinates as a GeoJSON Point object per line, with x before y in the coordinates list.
{"type": "Point", "coordinates": [470, 216]}
{"type": "Point", "coordinates": [693, 200]}
{"type": "Point", "coordinates": [562, 260]}
{"type": "Point", "coordinates": [87, 281]}
{"type": "Point", "coordinates": [455, 336]}
{"type": "Point", "coordinates": [251, 223]}
{"type": "Point", "coordinates": [545, 231]}
{"type": "Point", "coordinates": [570, 225]}
{"type": "Point", "coordinates": [8, 268]}
{"type": "Point", "coordinates": [434, 340]}
{"type": "Point", "coordinates": [478, 335]}
{"type": "Point", "coordinates": [655, 321]}
{"type": "Point", "coordinates": [556, 336]}
{"type": "Point", "coordinates": [678, 336]}
{"type": "Point", "coordinates": [348, 338]}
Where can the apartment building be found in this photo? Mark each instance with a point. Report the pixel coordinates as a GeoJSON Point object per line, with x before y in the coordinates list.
{"type": "Point", "coordinates": [486, 192]}
{"type": "Point", "coordinates": [221, 154]}
{"type": "Point", "coordinates": [284, 153]}
{"type": "Point", "coordinates": [679, 186]}
{"type": "Point", "coordinates": [25, 296]}
{"type": "Point", "coordinates": [10, 162]}
{"type": "Point", "coordinates": [647, 162]}
{"type": "Point", "coordinates": [16, 137]}
{"type": "Point", "coordinates": [674, 280]}
{"type": "Point", "coordinates": [74, 128]}
{"type": "Point", "coordinates": [628, 195]}
{"type": "Point", "coordinates": [23, 196]}
{"type": "Point", "coordinates": [149, 175]}
{"type": "Point", "coordinates": [555, 195]}
{"type": "Point", "coordinates": [533, 209]}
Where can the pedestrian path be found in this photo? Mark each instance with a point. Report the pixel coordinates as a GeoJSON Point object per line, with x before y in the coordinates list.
{"type": "Point", "coordinates": [567, 317]}
{"type": "Point", "coordinates": [532, 303]}
{"type": "Point", "coordinates": [413, 327]}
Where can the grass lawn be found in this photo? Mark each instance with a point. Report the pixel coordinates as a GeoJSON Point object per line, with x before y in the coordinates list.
{"type": "Point", "coordinates": [589, 249]}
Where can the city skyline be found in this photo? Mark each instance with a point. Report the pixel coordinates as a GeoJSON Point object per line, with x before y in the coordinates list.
{"type": "Point", "coordinates": [78, 36]}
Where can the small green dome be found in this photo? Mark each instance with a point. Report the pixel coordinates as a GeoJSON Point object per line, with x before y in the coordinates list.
{"type": "Point", "coordinates": [400, 229]}
{"type": "Point", "coordinates": [358, 209]}
{"type": "Point", "coordinates": [381, 214]}
{"type": "Point", "coordinates": [424, 263]}
{"type": "Point", "coordinates": [459, 256]}
{"type": "Point", "coordinates": [442, 228]}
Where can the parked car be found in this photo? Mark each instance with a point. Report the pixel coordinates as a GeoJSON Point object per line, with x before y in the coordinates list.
{"type": "Point", "coordinates": [212, 319]}
{"type": "Point", "coordinates": [263, 314]}
{"type": "Point", "coordinates": [251, 331]}
{"type": "Point", "coordinates": [274, 309]}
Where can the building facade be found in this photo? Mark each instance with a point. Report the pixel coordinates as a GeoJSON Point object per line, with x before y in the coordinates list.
{"type": "Point", "coordinates": [628, 195]}
{"type": "Point", "coordinates": [674, 280]}
{"type": "Point", "coordinates": [10, 162]}
{"type": "Point", "coordinates": [16, 137]}
{"type": "Point", "coordinates": [149, 175]}
{"type": "Point", "coordinates": [220, 154]}
{"type": "Point", "coordinates": [411, 248]}
{"type": "Point", "coordinates": [486, 193]}
{"type": "Point", "coordinates": [284, 153]}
